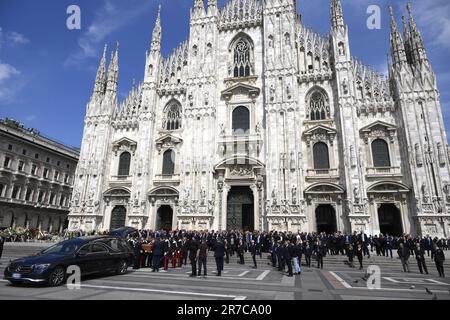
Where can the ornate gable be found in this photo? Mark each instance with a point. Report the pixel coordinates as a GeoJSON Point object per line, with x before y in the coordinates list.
{"type": "Point", "coordinates": [167, 141]}
{"type": "Point", "coordinates": [240, 89]}
{"type": "Point", "coordinates": [124, 144]}
{"type": "Point", "coordinates": [320, 133]}
{"type": "Point", "coordinates": [378, 129]}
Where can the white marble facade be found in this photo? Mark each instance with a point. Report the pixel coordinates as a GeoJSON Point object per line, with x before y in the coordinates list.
{"type": "Point", "coordinates": [256, 121]}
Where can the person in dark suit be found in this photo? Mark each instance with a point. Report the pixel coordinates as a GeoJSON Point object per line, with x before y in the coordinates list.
{"type": "Point", "coordinates": [360, 254]}
{"type": "Point", "coordinates": [2, 242]}
{"type": "Point", "coordinates": [158, 253]}
{"type": "Point", "coordinates": [219, 253]}
{"type": "Point", "coordinates": [439, 259]}
{"type": "Point", "coordinates": [404, 253]}
{"type": "Point", "coordinates": [227, 250]}
{"type": "Point", "coordinates": [308, 250]}
{"type": "Point", "coordinates": [193, 248]}
{"type": "Point", "coordinates": [240, 252]}
{"type": "Point", "coordinates": [428, 244]}
{"type": "Point", "coordinates": [138, 251]}
{"type": "Point", "coordinates": [202, 255]}
{"type": "Point", "coordinates": [289, 255]}
{"type": "Point", "coordinates": [320, 251]}
{"type": "Point", "coordinates": [419, 252]}
{"type": "Point", "coordinates": [253, 251]}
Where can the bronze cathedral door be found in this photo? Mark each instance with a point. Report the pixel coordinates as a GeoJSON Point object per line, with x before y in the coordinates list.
{"type": "Point", "coordinates": [240, 209]}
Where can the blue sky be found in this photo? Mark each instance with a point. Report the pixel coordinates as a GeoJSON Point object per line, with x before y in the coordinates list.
{"type": "Point", "coordinates": [47, 71]}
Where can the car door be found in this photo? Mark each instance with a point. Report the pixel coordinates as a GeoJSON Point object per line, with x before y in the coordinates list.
{"type": "Point", "coordinates": [116, 254]}
{"type": "Point", "coordinates": [83, 259]}
{"type": "Point", "coordinates": [99, 256]}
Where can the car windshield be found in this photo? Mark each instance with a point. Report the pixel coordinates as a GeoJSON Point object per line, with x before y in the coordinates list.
{"type": "Point", "coordinates": [66, 247]}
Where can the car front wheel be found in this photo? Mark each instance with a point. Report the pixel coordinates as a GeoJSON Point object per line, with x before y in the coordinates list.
{"type": "Point", "coordinates": [123, 267]}
{"type": "Point", "coordinates": [57, 277]}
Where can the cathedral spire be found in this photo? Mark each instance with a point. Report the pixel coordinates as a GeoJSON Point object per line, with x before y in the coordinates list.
{"type": "Point", "coordinates": [337, 16]}
{"type": "Point", "coordinates": [407, 40]}
{"type": "Point", "coordinates": [212, 7]}
{"type": "Point", "coordinates": [100, 80]}
{"type": "Point", "coordinates": [156, 37]}
{"type": "Point", "coordinates": [199, 9]}
{"type": "Point", "coordinates": [417, 47]}
{"type": "Point", "coordinates": [397, 46]}
{"type": "Point", "coordinates": [113, 71]}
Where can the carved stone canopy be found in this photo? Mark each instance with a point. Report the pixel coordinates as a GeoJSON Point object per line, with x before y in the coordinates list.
{"type": "Point", "coordinates": [324, 188]}
{"type": "Point", "coordinates": [388, 187]}
{"type": "Point", "coordinates": [163, 192]}
{"type": "Point", "coordinates": [117, 192]}
{"type": "Point", "coordinates": [240, 89]}
{"type": "Point", "coordinates": [378, 129]}
{"type": "Point", "coordinates": [319, 133]}
{"type": "Point", "coordinates": [167, 141]}
{"type": "Point", "coordinates": [124, 144]}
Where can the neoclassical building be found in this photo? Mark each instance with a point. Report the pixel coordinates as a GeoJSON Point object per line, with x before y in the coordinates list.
{"type": "Point", "coordinates": [257, 122]}
{"type": "Point", "coordinates": [36, 177]}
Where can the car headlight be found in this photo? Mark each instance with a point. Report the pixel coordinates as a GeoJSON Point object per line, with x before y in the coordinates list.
{"type": "Point", "coordinates": [41, 267]}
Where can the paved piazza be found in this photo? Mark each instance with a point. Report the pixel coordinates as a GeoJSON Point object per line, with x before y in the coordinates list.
{"type": "Point", "coordinates": [335, 282]}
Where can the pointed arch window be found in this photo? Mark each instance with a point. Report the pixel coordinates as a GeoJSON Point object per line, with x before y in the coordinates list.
{"type": "Point", "coordinates": [172, 116]}
{"type": "Point", "coordinates": [380, 154]}
{"type": "Point", "coordinates": [321, 156]}
{"type": "Point", "coordinates": [318, 108]}
{"type": "Point", "coordinates": [242, 50]}
{"type": "Point", "coordinates": [124, 164]}
{"type": "Point", "coordinates": [168, 163]}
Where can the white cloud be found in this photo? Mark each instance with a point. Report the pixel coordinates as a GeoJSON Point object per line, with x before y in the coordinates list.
{"type": "Point", "coordinates": [16, 38]}
{"type": "Point", "coordinates": [10, 83]}
{"type": "Point", "coordinates": [30, 118]}
{"type": "Point", "coordinates": [109, 18]}
{"type": "Point", "coordinates": [7, 71]}
{"type": "Point", "coordinates": [12, 38]}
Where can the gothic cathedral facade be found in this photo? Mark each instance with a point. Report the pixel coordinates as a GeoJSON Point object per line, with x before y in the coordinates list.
{"type": "Point", "coordinates": [256, 122]}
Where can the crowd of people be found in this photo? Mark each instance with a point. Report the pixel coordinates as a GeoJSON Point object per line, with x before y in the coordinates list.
{"type": "Point", "coordinates": [161, 250]}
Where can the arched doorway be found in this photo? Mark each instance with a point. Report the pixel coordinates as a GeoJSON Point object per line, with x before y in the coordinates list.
{"type": "Point", "coordinates": [164, 218]}
{"type": "Point", "coordinates": [240, 209]}
{"type": "Point", "coordinates": [326, 219]}
{"type": "Point", "coordinates": [390, 220]}
{"type": "Point", "coordinates": [118, 217]}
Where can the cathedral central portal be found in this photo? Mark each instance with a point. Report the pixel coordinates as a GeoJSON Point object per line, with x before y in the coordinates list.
{"type": "Point", "coordinates": [240, 209]}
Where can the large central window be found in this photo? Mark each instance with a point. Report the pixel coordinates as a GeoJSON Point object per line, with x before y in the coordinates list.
{"type": "Point", "coordinates": [172, 116]}
{"type": "Point", "coordinates": [242, 51]}
{"type": "Point", "coordinates": [241, 121]}
{"type": "Point", "coordinates": [317, 103]}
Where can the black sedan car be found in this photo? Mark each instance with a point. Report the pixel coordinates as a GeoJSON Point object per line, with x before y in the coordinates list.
{"type": "Point", "coordinates": [96, 254]}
